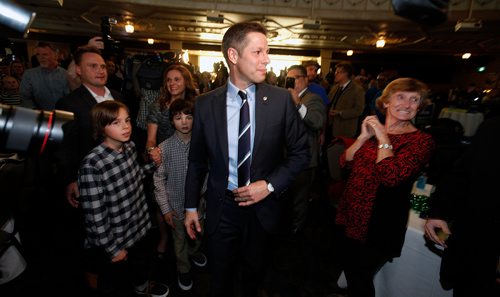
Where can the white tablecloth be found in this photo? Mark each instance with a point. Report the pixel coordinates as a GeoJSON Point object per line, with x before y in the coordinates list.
{"type": "Point", "coordinates": [415, 273]}
{"type": "Point", "coordinates": [470, 120]}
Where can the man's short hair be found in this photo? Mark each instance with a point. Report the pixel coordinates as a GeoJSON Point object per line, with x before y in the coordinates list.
{"type": "Point", "coordinates": [300, 68]}
{"type": "Point", "coordinates": [312, 63]}
{"type": "Point", "coordinates": [235, 36]}
{"type": "Point", "coordinates": [346, 67]}
{"type": "Point", "coordinates": [83, 50]}
{"type": "Point", "coordinates": [46, 44]}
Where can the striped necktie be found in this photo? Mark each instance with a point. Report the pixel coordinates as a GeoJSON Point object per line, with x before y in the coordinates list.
{"type": "Point", "coordinates": [244, 155]}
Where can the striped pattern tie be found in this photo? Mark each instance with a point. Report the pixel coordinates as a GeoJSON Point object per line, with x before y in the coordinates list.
{"type": "Point", "coordinates": [244, 154]}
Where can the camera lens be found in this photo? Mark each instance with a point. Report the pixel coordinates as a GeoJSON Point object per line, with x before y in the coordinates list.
{"type": "Point", "coordinates": [28, 130]}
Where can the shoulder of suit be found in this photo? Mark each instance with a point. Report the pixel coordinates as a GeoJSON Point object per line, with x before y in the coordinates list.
{"type": "Point", "coordinates": [116, 95]}
{"type": "Point", "coordinates": [265, 89]}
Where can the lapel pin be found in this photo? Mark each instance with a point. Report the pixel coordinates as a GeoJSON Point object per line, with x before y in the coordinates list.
{"type": "Point", "coordinates": [264, 98]}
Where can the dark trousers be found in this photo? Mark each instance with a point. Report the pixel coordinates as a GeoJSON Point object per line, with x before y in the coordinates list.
{"type": "Point", "coordinates": [360, 263]}
{"type": "Point", "coordinates": [299, 202]}
{"type": "Point", "coordinates": [237, 249]}
{"type": "Point", "coordinates": [119, 279]}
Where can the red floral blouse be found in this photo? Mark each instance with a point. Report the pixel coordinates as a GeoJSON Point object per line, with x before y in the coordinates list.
{"type": "Point", "coordinates": [411, 152]}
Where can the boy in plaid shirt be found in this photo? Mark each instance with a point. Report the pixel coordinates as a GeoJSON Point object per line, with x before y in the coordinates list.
{"type": "Point", "coordinates": [169, 182]}
{"type": "Point", "coordinates": [117, 221]}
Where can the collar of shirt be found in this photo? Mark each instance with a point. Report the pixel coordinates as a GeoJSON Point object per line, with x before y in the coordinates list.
{"type": "Point", "coordinates": [301, 93]}
{"type": "Point", "coordinates": [98, 98]}
{"type": "Point", "coordinates": [233, 105]}
{"type": "Point", "coordinates": [345, 85]}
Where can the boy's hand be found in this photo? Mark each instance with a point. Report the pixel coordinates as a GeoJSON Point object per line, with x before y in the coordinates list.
{"type": "Point", "coordinates": [154, 154]}
{"type": "Point", "coordinates": [169, 218]}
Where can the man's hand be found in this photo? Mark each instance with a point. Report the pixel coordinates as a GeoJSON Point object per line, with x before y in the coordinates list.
{"type": "Point", "coordinates": [96, 42]}
{"type": "Point", "coordinates": [192, 224]}
{"type": "Point", "coordinates": [73, 195]}
{"type": "Point", "coordinates": [431, 225]}
{"type": "Point", "coordinates": [252, 193]}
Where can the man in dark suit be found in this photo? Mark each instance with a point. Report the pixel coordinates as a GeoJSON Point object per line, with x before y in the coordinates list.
{"type": "Point", "coordinates": [312, 112]}
{"type": "Point", "coordinates": [346, 103]}
{"type": "Point", "coordinates": [346, 106]}
{"type": "Point", "coordinates": [78, 139]}
{"type": "Point", "coordinates": [242, 215]}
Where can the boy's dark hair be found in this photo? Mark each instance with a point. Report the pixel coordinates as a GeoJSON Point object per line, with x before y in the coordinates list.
{"type": "Point", "coordinates": [103, 114]}
{"type": "Point", "coordinates": [181, 106]}
{"type": "Point", "coordinates": [85, 49]}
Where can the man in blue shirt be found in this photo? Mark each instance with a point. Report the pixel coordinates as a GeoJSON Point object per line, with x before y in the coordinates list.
{"type": "Point", "coordinates": [42, 86]}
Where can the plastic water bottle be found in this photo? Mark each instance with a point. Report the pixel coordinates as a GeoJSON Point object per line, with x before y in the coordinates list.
{"type": "Point", "coordinates": [421, 181]}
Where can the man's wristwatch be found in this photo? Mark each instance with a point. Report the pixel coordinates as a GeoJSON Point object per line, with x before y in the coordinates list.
{"type": "Point", "coordinates": [270, 187]}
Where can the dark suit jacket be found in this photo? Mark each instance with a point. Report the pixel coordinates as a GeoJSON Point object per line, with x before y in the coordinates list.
{"type": "Point", "coordinates": [314, 122]}
{"type": "Point", "coordinates": [351, 103]}
{"type": "Point", "coordinates": [78, 140]}
{"type": "Point", "coordinates": [280, 151]}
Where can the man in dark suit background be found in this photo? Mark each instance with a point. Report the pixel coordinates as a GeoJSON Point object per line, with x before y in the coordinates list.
{"type": "Point", "coordinates": [346, 106]}
{"type": "Point", "coordinates": [240, 218]}
{"type": "Point", "coordinates": [312, 112]}
{"type": "Point", "coordinates": [78, 140]}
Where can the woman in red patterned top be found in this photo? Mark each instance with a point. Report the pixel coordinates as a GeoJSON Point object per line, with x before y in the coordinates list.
{"type": "Point", "coordinates": [383, 162]}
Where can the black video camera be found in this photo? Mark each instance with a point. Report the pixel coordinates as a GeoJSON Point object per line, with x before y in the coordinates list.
{"type": "Point", "coordinates": [111, 46]}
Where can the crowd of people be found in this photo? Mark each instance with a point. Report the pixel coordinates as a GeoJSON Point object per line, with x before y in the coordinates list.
{"type": "Point", "coordinates": [226, 168]}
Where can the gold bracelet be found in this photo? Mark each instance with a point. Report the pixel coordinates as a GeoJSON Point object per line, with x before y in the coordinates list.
{"type": "Point", "coordinates": [149, 149]}
{"type": "Point", "coordinates": [385, 146]}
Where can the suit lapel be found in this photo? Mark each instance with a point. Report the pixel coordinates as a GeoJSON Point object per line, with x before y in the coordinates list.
{"type": "Point", "coordinates": [261, 103]}
{"type": "Point", "coordinates": [220, 112]}
{"type": "Point", "coordinates": [87, 96]}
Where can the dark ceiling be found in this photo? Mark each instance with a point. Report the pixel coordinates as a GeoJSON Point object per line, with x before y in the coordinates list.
{"type": "Point", "coordinates": [337, 25]}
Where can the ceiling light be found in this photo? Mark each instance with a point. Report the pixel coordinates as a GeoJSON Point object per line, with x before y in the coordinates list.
{"type": "Point", "coordinates": [380, 42]}
{"type": "Point", "coordinates": [129, 28]}
{"type": "Point", "coordinates": [214, 16]}
{"type": "Point", "coordinates": [350, 52]}
{"type": "Point", "coordinates": [185, 56]}
{"type": "Point", "coordinates": [312, 24]}
{"type": "Point", "coordinates": [466, 56]}
{"type": "Point", "coordinates": [16, 17]}
{"type": "Point", "coordinates": [151, 41]}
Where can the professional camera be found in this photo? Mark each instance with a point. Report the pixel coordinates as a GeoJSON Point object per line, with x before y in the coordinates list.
{"type": "Point", "coordinates": [111, 46]}
{"type": "Point", "coordinates": [31, 131]}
